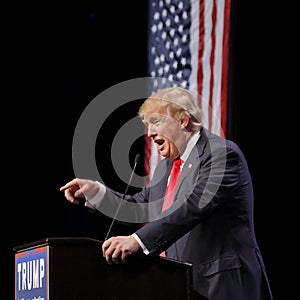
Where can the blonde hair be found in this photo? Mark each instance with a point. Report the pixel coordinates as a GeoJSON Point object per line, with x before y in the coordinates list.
{"type": "Point", "coordinates": [176, 102]}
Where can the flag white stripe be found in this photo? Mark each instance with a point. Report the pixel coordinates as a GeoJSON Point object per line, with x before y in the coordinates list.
{"type": "Point", "coordinates": [194, 44]}
{"type": "Point", "coordinates": [216, 124]}
{"type": "Point", "coordinates": [206, 62]}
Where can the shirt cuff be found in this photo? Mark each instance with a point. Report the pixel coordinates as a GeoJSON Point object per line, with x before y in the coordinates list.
{"type": "Point", "coordinates": [96, 200]}
{"type": "Point", "coordinates": [145, 250]}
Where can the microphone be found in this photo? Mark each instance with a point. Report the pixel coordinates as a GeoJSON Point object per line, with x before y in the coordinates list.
{"type": "Point", "coordinates": [136, 159]}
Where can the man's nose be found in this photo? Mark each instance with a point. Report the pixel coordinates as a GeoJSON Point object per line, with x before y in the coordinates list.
{"type": "Point", "coordinates": [151, 132]}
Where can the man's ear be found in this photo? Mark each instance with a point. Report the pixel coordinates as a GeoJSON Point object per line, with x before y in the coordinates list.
{"type": "Point", "coordinates": [184, 121]}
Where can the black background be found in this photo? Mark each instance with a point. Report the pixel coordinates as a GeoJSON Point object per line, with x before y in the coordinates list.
{"type": "Point", "coordinates": [58, 56]}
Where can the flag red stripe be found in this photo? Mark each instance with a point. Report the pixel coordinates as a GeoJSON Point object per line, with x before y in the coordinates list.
{"type": "Point", "coordinates": [200, 52]}
{"type": "Point", "coordinates": [224, 88]}
{"type": "Point", "coordinates": [212, 62]}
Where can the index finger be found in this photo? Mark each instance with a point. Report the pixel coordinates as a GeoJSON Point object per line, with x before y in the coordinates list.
{"type": "Point", "coordinates": [106, 244]}
{"type": "Point", "coordinates": [71, 183]}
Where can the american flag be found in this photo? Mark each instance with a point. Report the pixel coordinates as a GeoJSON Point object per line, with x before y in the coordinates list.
{"type": "Point", "coordinates": [188, 43]}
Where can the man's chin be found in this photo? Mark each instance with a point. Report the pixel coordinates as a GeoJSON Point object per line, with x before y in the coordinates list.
{"type": "Point", "coordinates": [164, 154]}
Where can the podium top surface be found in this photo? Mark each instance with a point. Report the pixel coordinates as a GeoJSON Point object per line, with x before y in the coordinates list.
{"type": "Point", "coordinates": [91, 242]}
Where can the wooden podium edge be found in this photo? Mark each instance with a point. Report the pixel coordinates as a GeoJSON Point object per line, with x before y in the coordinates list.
{"type": "Point", "coordinates": [87, 241]}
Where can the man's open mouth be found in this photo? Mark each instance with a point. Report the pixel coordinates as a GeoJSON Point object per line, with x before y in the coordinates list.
{"type": "Point", "coordinates": [159, 142]}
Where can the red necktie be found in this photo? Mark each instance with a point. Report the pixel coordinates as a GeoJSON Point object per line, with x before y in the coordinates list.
{"type": "Point", "coordinates": [169, 196]}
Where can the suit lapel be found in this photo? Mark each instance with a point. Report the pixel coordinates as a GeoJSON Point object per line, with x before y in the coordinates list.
{"type": "Point", "coordinates": [191, 165]}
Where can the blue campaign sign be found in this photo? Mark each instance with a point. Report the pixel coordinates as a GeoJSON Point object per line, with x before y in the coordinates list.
{"type": "Point", "coordinates": [31, 274]}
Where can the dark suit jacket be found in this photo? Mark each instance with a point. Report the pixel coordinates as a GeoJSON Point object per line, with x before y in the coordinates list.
{"type": "Point", "coordinates": [210, 224]}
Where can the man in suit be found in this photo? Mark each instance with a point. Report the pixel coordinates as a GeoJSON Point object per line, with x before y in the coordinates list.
{"type": "Point", "coordinates": [210, 221]}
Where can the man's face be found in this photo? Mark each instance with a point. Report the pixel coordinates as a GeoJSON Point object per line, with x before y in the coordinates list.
{"type": "Point", "coordinates": [167, 133]}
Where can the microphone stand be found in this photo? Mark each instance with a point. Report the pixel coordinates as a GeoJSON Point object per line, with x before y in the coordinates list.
{"type": "Point", "coordinates": [137, 158]}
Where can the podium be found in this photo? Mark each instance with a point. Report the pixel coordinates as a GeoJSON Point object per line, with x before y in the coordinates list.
{"type": "Point", "coordinates": [61, 268]}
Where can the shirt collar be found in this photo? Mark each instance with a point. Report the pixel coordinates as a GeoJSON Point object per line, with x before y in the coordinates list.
{"type": "Point", "coordinates": [190, 145]}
